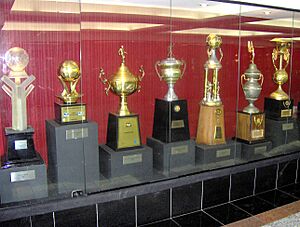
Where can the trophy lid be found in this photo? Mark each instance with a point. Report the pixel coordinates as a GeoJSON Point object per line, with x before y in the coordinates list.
{"type": "Point", "coordinates": [252, 71]}
{"type": "Point", "coordinates": [171, 62]}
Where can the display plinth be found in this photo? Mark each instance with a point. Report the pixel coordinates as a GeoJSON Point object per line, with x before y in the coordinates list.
{"type": "Point", "coordinates": [255, 150]}
{"type": "Point", "coordinates": [171, 156]}
{"type": "Point", "coordinates": [211, 130]}
{"type": "Point", "coordinates": [20, 146]}
{"type": "Point", "coordinates": [250, 127]}
{"type": "Point", "coordinates": [70, 113]}
{"type": "Point", "coordinates": [73, 157]}
{"type": "Point", "coordinates": [135, 162]}
{"type": "Point", "coordinates": [171, 121]}
{"type": "Point", "coordinates": [278, 109]}
{"type": "Point", "coordinates": [281, 132]}
{"type": "Point", "coordinates": [215, 153]}
{"type": "Point", "coordinates": [123, 132]}
{"type": "Point", "coordinates": [23, 181]}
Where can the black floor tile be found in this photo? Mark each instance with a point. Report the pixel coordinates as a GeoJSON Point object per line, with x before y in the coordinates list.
{"type": "Point", "coordinates": [265, 178]}
{"type": "Point", "coordinates": [167, 223]}
{"type": "Point", "coordinates": [227, 213]}
{"type": "Point", "coordinates": [242, 184]}
{"type": "Point", "coordinates": [197, 219]}
{"type": "Point", "coordinates": [293, 189]}
{"type": "Point", "coordinates": [21, 222]}
{"type": "Point", "coordinates": [45, 220]}
{"type": "Point", "coordinates": [253, 205]}
{"type": "Point", "coordinates": [287, 173]}
{"type": "Point", "coordinates": [276, 198]}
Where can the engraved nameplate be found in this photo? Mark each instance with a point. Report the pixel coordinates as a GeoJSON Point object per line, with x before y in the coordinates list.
{"type": "Point", "coordinates": [131, 159]}
{"type": "Point", "coordinates": [287, 126]}
{"type": "Point", "coordinates": [22, 176]}
{"type": "Point", "coordinates": [20, 144]}
{"type": "Point", "coordinates": [223, 153]}
{"type": "Point", "coordinates": [73, 113]}
{"type": "Point", "coordinates": [177, 124]}
{"type": "Point", "coordinates": [286, 113]}
{"type": "Point", "coordinates": [218, 132]}
{"type": "Point", "coordinates": [257, 133]}
{"type": "Point", "coordinates": [179, 150]}
{"type": "Point", "coordinates": [260, 150]}
{"type": "Point", "coordinates": [78, 133]}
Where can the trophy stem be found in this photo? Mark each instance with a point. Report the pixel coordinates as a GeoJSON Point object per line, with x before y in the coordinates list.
{"type": "Point", "coordinates": [171, 96]}
{"type": "Point", "coordinates": [251, 108]}
{"type": "Point", "coordinates": [124, 111]}
{"type": "Point", "coordinates": [279, 94]}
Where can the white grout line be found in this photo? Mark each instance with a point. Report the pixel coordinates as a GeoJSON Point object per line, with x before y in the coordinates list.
{"type": "Point", "coordinates": [171, 202]}
{"type": "Point", "coordinates": [202, 193]}
{"type": "Point", "coordinates": [97, 215]}
{"type": "Point", "coordinates": [229, 191]}
{"type": "Point", "coordinates": [277, 172]}
{"type": "Point", "coordinates": [30, 221]}
{"type": "Point", "coordinates": [297, 170]}
{"type": "Point", "coordinates": [213, 217]}
{"type": "Point", "coordinates": [53, 217]}
{"type": "Point", "coordinates": [254, 183]}
{"type": "Point", "coordinates": [135, 211]}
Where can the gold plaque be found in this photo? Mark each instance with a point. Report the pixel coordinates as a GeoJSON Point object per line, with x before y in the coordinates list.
{"type": "Point", "coordinates": [286, 113]}
{"type": "Point", "coordinates": [257, 133]}
{"type": "Point", "coordinates": [128, 132]}
{"type": "Point", "coordinates": [73, 113]}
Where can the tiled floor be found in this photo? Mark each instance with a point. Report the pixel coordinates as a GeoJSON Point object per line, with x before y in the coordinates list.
{"type": "Point", "coordinates": [261, 209]}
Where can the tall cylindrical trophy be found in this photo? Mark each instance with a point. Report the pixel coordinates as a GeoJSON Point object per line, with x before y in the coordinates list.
{"type": "Point", "coordinates": [123, 129]}
{"type": "Point", "coordinates": [251, 121]}
{"type": "Point", "coordinates": [279, 105]}
{"type": "Point", "coordinates": [211, 129]}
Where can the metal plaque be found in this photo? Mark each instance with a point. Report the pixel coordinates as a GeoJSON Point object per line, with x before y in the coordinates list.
{"type": "Point", "coordinates": [218, 133]}
{"type": "Point", "coordinates": [131, 159]}
{"type": "Point", "coordinates": [22, 176]}
{"type": "Point", "coordinates": [287, 126]}
{"type": "Point", "coordinates": [257, 133]}
{"type": "Point", "coordinates": [260, 150]}
{"type": "Point", "coordinates": [20, 144]}
{"type": "Point", "coordinates": [73, 113]}
{"type": "Point", "coordinates": [286, 113]}
{"type": "Point", "coordinates": [223, 153]}
{"type": "Point", "coordinates": [179, 150]}
{"type": "Point", "coordinates": [128, 132]}
{"type": "Point", "coordinates": [177, 124]}
{"type": "Point", "coordinates": [77, 133]}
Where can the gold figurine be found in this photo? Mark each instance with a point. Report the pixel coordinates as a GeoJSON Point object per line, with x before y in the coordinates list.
{"type": "Point", "coordinates": [281, 52]}
{"type": "Point", "coordinates": [123, 83]}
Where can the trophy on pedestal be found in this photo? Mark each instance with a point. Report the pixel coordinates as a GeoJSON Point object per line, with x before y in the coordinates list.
{"type": "Point", "coordinates": [69, 111]}
{"type": "Point", "coordinates": [17, 85]}
{"type": "Point", "coordinates": [211, 129]}
{"type": "Point", "coordinates": [279, 105]}
{"type": "Point", "coordinates": [251, 121]}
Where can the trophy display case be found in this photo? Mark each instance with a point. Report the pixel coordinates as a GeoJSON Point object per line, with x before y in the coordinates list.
{"type": "Point", "coordinates": [190, 98]}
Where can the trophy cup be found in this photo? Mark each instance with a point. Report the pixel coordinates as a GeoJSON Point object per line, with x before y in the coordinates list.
{"type": "Point", "coordinates": [69, 111]}
{"type": "Point", "coordinates": [17, 86]}
{"type": "Point", "coordinates": [123, 129]}
{"type": "Point", "coordinates": [279, 105]}
{"type": "Point", "coordinates": [251, 122]}
{"type": "Point", "coordinates": [211, 130]}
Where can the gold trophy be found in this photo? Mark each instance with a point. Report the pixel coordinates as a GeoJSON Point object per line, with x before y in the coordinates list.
{"type": "Point", "coordinates": [123, 127]}
{"type": "Point", "coordinates": [279, 105]}
{"type": "Point", "coordinates": [70, 111]}
{"type": "Point", "coordinates": [211, 128]}
{"type": "Point", "coordinates": [251, 122]}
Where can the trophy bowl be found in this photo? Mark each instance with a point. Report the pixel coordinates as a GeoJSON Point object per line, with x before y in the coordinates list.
{"type": "Point", "coordinates": [69, 71]}
{"type": "Point", "coordinates": [169, 70]}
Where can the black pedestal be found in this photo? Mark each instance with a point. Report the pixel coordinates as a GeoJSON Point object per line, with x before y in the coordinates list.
{"type": "Point", "coordinates": [135, 162]}
{"type": "Point", "coordinates": [173, 156]}
{"type": "Point", "coordinates": [123, 132]}
{"type": "Point", "coordinates": [171, 121]}
{"type": "Point", "coordinates": [278, 109]}
{"type": "Point", "coordinates": [20, 146]}
{"type": "Point", "coordinates": [215, 153]}
{"type": "Point", "coordinates": [255, 151]}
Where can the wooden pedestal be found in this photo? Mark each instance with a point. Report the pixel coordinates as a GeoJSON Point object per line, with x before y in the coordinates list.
{"type": "Point", "coordinates": [211, 129]}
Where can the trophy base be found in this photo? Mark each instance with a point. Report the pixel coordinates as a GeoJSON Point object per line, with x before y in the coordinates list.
{"type": "Point", "coordinates": [68, 145]}
{"type": "Point", "coordinates": [20, 146]}
{"type": "Point", "coordinates": [70, 113]}
{"type": "Point", "coordinates": [282, 132]}
{"type": "Point", "coordinates": [24, 181]}
{"type": "Point", "coordinates": [250, 127]}
{"type": "Point", "coordinates": [278, 109]}
{"type": "Point", "coordinates": [135, 162]}
{"type": "Point", "coordinates": [206, 154]}
{"type": "Point", "coordinates": [211, 130]}
{"type": "Point", "coordinates": [123, 132]}
{"type": "Point", "coordinates": [171, 121]}
{"type": "Point", "coordinates": [173, 156]}
{"type": "Point", "coordinates": [255, 151]}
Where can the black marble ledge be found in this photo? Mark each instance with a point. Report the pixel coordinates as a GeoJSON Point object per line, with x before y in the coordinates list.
{"type": "Point", "coordinates": [51, 205]}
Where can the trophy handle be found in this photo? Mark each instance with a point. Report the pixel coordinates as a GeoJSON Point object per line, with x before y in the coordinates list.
{"type": "Point", "coordinates": [242, 79]}
{"type": "Point", "coordinates": [156, 69]}
{"type": "Point", "coordinates": [184, 68]}
{"type": "Point", "coordinates": [104, 80]}
{"type": "Point", "coordinates": [221, 54]}
{"type": "Point", "coordinates": [261, 77]}
{"type": "Point", "coordinates": [142, 71]}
